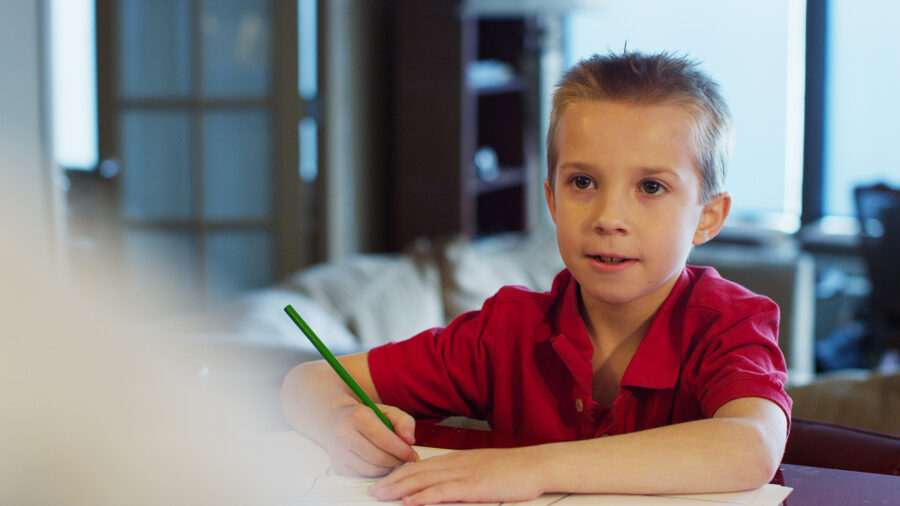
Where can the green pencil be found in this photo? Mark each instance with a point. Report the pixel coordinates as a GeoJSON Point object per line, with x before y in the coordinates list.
{"type": "Point", "coordinates": [338, 368]}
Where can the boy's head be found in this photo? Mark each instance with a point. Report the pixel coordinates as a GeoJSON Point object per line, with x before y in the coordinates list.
{"type": "Point", "coordinates": [658, 79]}
{"type": "Point", "coordinates": [637, 150]}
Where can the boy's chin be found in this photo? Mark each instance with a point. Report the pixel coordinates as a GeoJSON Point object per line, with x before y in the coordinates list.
{"type": "Point", "coordinates": [628, 290]}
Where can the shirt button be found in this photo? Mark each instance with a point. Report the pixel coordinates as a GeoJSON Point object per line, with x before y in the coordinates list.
{"type": "Point", "coordinates": [579, 405]}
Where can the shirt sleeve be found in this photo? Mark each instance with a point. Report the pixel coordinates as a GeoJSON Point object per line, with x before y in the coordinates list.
{"type": "Point", "coordinates": [739, 357]}
{"type": "Point", "coordinates": [439, 372]}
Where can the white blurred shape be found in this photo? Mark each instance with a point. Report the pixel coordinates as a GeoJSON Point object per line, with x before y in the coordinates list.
{"type": "Point", "coordinates": [94, 413]}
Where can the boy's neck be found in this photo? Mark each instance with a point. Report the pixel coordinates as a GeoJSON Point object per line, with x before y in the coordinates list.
{"type": "Point", "coordinates": [615, 332]}
{"type": "Point", "coordinates": [609, 325]}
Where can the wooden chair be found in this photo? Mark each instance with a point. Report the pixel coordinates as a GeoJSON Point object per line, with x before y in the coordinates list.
{"type": "Point", "coordinates": [834, 446]}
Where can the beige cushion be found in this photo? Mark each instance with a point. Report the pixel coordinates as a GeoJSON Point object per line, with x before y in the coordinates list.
{"type": "Point", "coordinates": [258, 318]}
{"type": "Point", "coordinates": [472, 271]}
{"type": "Point", "coordinates": [379, 297]}
{"type": "Point", "coordinates": [856, 398]}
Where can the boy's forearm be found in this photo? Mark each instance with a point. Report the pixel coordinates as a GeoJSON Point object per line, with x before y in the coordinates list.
{"type": "Point", "coordinates": [738, 449]}
{"type": "Point", "coordinates": [713, 455]}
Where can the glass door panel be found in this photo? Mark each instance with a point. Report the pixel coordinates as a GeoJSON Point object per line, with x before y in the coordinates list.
{"type": "Point", "coordinates": [154, 48]}
{"type": "Point", "coordinates": [237, 165]}
{"type": "Point", "coordinates": [156, 165]}
{"type": "Point", "coordinates": [201, 105]}
{"type": "Point", "coordinates": [236, 46]}
{"type": "Point", "coordinates": [237, 259]}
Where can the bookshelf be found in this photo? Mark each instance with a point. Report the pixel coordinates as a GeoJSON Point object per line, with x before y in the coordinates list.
{"type": "Point", "coordinates": [465, 142]}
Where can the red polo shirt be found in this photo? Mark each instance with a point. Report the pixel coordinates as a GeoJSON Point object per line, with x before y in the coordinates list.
{"type": "Point", "coordinates": [523, 362]}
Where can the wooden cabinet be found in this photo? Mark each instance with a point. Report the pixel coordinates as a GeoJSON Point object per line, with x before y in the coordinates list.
{"type": "Point", "coordinates": [465, 140]}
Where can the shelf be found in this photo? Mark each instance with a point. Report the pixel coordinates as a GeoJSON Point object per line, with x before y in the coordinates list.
{"type": "Point", "coordinates": [512, 85]}
{"type": "Point", "coordinates": [500, 118]}
{"type": "Point", "coordinates": [493, 76]}
{"type": "Point", "coordinates": [463, 86]}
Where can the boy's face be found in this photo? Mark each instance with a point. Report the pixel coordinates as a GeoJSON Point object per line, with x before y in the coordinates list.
{"type": "Point", "coordinates": [626, 200]}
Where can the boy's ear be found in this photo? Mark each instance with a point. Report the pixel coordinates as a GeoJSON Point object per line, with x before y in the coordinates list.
{"type": "Point", "coordinates": [712, 218]}
{"type": "Point", "coordinates": [551, 203]}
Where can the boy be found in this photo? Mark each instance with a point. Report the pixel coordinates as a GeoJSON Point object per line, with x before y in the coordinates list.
{"type": "Point", "coordinates": [677, 365]}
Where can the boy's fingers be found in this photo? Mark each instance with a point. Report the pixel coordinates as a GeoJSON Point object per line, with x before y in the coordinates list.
{"type": "Point", "coordinates": [405, 428]}
{"type": "Point", "coordinates": [352, 465]}
{"type": "Point", "coordinates": [383, 438]}
{"type": "Point", "coordinates": [404, 424]}
{"type": "Point", "coordinates": [363, 445]}
{"type": "Point", "coordinates": [377, 455]}
{"type": "Point", "coordinates": [357, 455]}
{"type": "Point", "coordinates": [431, 484]}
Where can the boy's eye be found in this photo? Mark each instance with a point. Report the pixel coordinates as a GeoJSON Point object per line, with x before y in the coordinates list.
{"type": "Point", "coordinates": [652, 187]}
{"type": "Point", "coordinates": [582, 182]}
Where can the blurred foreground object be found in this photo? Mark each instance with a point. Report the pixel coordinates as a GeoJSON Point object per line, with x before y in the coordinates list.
{"type": "Point", "coordinates": [94, 412]}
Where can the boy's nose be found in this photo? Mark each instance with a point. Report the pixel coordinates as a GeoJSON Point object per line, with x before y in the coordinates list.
{"type": "Point", "coordinates": [610, 216]}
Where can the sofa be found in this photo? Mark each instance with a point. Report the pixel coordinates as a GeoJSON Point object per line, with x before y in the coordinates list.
{"type": "Point", "coordinates": [846, 420]}
{"type": "Point", "coordinates": [248, 344]}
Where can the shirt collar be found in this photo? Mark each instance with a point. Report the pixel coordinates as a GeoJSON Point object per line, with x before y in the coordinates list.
{"type": "Point", "coordinates": [655, 363]}
{"type": "Point", "coordinates": [570, 340]}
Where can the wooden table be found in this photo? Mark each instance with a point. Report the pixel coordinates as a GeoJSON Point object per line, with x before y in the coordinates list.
{"type": "Point", "coordinates": [821, 486]}
{"type": "Point", "coordinates": [813, 486]}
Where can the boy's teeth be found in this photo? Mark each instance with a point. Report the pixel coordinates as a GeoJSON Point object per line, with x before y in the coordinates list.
{"type": "Point", "coordinates": [611, 260]}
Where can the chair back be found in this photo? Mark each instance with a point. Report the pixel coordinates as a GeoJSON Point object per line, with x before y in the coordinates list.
{"type": "Point", "coordinates": [878, 211]}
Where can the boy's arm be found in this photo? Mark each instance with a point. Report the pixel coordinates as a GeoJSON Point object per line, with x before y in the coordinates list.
{"type": "Point", "coordinates": [319, 404]}
{"type": "Point", "coordinates": [739, 448]}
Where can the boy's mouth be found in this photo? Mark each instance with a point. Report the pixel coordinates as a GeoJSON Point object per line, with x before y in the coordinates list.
{"type": "Point", "coordinates": [609, 260]}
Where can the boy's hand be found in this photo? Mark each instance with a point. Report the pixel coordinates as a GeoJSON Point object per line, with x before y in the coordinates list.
{"type": "Point", "coordinates": [490, 475]}
{"type": "Point", "coordinates": [362, 445]}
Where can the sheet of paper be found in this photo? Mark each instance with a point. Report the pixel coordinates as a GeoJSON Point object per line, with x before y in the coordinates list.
{"type": "Point", "coordinates": [767, 495]}
{"type": "Point", "coordinates": [344, 490]}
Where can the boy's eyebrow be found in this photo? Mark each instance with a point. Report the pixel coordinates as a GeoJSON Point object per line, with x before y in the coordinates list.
{"type": "Point", "coordinates": [645, 171]}
{"type": "Point", "coordinates": [652, 171]}
{"type": "Point", "coordinates": [575, 165]}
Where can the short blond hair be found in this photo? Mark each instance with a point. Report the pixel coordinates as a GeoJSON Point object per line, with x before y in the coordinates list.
{"type": "Point", "coordinates": [653, 79]}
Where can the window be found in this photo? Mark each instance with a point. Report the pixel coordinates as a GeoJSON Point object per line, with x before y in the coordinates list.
{"type": "Point", "coordinates": [755, 50]}
{"type": "Point", "coordinates": [307, 84]}
{"type": "Point", "coordinates": [73, 83]}
{"type": "Point", "coordinates": [861, 100]}
{"type": "Point", "coordinates": [204, 113]}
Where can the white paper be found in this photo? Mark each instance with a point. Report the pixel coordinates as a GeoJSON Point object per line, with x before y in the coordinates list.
{"type": "Point", "coordinates": [345, 490]}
